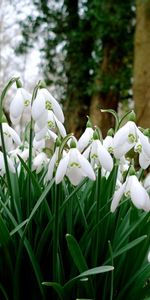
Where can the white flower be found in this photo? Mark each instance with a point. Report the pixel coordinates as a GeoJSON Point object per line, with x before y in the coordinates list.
{"type": "Point", "coordinates": [2, 165]}
{"type": "Point", "coordinates": [146, 182]}
{"type": "Point", "coordinates": [108, 143]}
{"type": "Point", "coordinates": [39, 162]}
{"type": "Point", "coordinates": [52, 164]}
{"type": "Point", "coordinates": [43, 103]}
{"type": "Point", "coordinates": [99, 156]}
{"type": "Point", "coordinates": [125, 139]}
{"type": "Point", "coordinates": [143, 148]}
{"type": "Point", "coordinates": [20, 106]}
{"type": "Point", "coordinates": [132, 188]}
{"type": "Point", "coordinates": [11, 138]}
{"type": "Point", "coordinates": [75, 166]}
{"type": "Point", "coordinates": [85, 139]}
{"type": "Point", "coordinates": [53, 124]}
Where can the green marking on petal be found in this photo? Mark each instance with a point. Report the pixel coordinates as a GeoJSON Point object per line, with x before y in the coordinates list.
{"type": "Point", "coordinates": [51, 124]}
{"type": "Point", "coordinates": [48, 105]}
{"type": "Point", "coordinates": [132, 138]}
{"type": "Point", "coordinates": [75, 164]}
{"type": "Point", "coordinates": [26, 103]}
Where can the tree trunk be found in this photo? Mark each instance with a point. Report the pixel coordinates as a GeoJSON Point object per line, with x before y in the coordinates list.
{"type": "Point", "coordinates": [108, 99]}
{"type": "Point", "coordinates": [78, 51]}
{"type": "Point", "coordinates": [141, 85]}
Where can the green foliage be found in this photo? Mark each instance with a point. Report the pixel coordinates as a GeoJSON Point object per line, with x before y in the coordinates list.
{"type": "Point", "coordinates": [31, 232]}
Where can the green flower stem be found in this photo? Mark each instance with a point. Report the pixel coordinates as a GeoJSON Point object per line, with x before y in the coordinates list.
{"type": "Point", "coordinates": [97, 234]}
{"type": "Point", "coordinates": [56, 232]}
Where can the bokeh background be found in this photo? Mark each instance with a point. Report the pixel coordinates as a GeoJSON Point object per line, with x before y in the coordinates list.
{"type": "Point", "coordinates": [92, 54]}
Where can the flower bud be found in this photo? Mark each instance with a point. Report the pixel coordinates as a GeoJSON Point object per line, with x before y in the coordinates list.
{"type": "Point", "coordinates": [72, 143]}
{"type": "Point", "coordinates": [89, 123]}
{"type": "Point", "coordinates": [42, 84]}
{"type": "Point", "coordinates": [111, 132]}
{"type": "Point", "coordinates": [18, 83]}
{"type": "Point", "coordinates": [132, 171]}
{"type": "Point", "coordinates": [95, 135]}
{"type": "Point", "coordinates": [132, 116]}
{"type": "Point", "coordinates": [147, 132]}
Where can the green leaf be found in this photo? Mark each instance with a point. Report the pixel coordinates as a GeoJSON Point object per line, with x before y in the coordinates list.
{"type": "Point", "coordinates": [129, 246]}
{"type": "Point", "coordinates": [95, 271]}
{"type": "Point", "coordinates": [76, 253]}
{"type": "Point", "coordinates": [57, 287]}
{"type": "Point", "coordinates": [4, 232]}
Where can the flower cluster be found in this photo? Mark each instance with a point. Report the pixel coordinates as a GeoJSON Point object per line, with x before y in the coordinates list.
{"type": "Point", "coordinates": [61, 156]}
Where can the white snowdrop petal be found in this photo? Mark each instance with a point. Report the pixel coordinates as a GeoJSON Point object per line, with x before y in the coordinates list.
{"type": "Point", "coordinates": [55, 105]}
{"type": "Point", "coordinates": [40, 134]}
{"type": "Point", "coordinates": [86, 167]}
{"type": "Point", "coordinates": [51, 166]}
{"type": "Point", "coordinates": [85, 138]}
{"type": "Point", "coordinates": [75, 175]}
{"type": "Point", "coordinates": [138, 193]}
{"type": "Point", "coordinates": [86, 153]}
{"type": "Point", "coordinates": [61, 127]}
{"type": "Point", "coordinates": [42, 120]}
{"type": "Point", "coordinates": [121, 150]}
{"type": "Point", "coordinates": [38, 108]}
{"type": "Point", "coordinates": [144, 161]}
{"type": "Point", "coordinates": [62, 168]}
{"type": "Point", "coordinates": [17, 105]}
{"type": "Point", "coordinates": [104, 157]}
{"type": "Point", "coordinates": [14, 136]}
{"type": "Point", "coordinates": [144, 142]}
{"type": "Point", "coordinates": [117, 197]}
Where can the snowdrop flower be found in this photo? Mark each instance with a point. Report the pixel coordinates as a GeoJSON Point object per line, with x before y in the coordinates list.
{"type": "Point", "coordinates": [125, 139]}
{"type": "Point", "coordinates": [53, 124]}
{"type": "Point", "coordinates": [143, 148]}
{"type": "Point", "coordinates": [39, 162]}
{"type": "Point", "coordinates": [132, 188]}
{"type": "Point", "coordinates": [43, 103]}
{"type": "Point", "coordinates": [20, 106]}
{"type": "Point", "coordinates": [52, 165]}
{"type": "Point", "coordinates": [2, 164]}
{"type": "Point", "coordinates": [11, 138]}
{"type": "Point", "coordinates": [75, 166]}
{"type": "Point", "coordinates": [146, 182]}
{"type": "Point", "coordinates": [98, 155]}
{"type": "Point", "coordinates": [85, 139]}
{"type": "Point", "coordinates": [108, 143]}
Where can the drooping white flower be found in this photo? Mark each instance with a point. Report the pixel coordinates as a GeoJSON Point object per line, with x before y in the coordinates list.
{"type": "Point", "coordinates": [108, 143]}
{"type": "Point", "coordinates": [53, 124]}
{"type": "Point", "coordinates": [11, 138]}
{"type": "Point", "coordinates": [75, 166]}
{"type": "Point", "coordinates": [98, 155]}
{"type": "Point", "coordinates": [146, 182]}
{"type": "Point", "coordinates": [85, 139]}
{"type": "Point", "coordinates": [2, 164]}
{"type": "Point", "coordinates": [39, 162]}
{"type": "Point", "coordinates": [132, 188]}
{"type": "Point", "coordinates": [20, 106]}
{"type": "Point", "coordinates": [52, 165]}
{"type": "Point", "coordinates": [43, 103]}
{"type": "Point", "coordinates": [125, 139]}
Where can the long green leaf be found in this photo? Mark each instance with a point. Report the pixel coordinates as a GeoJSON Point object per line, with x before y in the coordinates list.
{"type": "Point", "coordinates": [57, 287]}
{"type": "Point", "coordinates": [76, 253]}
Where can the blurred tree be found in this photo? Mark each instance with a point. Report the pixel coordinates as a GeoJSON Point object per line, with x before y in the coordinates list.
{"type": "Point", "coordinates": [87, 51]}
{"type": "Point", "coordinates": [141, 85]}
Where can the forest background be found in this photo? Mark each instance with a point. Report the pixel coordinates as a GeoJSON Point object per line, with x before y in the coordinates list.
{"type": "Point", "coordinates": [92, 54]}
